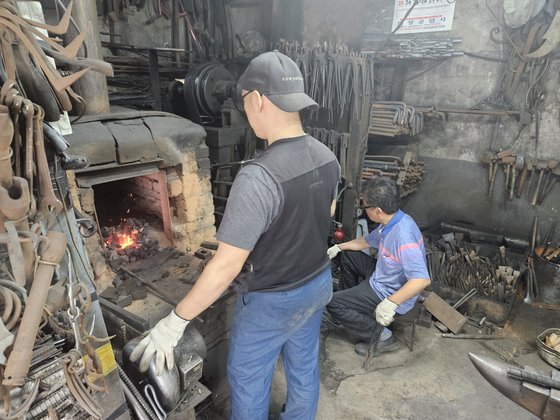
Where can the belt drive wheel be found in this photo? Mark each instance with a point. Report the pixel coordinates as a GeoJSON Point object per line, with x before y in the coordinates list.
{"type": "Point", "coordinates": [206, 89]}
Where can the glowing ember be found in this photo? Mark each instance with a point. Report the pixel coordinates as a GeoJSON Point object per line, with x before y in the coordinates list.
{"type": "Point", "coordinates": [124, 240]}
{"type": "Point", "coordinates": [122, 237]}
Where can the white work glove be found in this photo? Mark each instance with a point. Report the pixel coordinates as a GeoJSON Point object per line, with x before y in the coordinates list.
{"type": "Point", "coordinates": [161, 341]}
{"type": "Point", "coordinates": [333, 251]}
{"type": "Point", "coordinates": [385, 312]}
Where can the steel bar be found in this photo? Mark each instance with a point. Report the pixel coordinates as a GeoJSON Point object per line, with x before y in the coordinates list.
{"type": "Point", "coordinates": [472, 336]}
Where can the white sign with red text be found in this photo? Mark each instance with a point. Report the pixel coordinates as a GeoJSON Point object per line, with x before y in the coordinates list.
{"type": "Point", "coordinates": [427, 16]}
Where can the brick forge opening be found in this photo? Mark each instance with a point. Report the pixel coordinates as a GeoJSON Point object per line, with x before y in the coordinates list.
{"type": "Point", "coordinates": [134, 217]}
{"type": "Point", "coordinates": [162, 161]}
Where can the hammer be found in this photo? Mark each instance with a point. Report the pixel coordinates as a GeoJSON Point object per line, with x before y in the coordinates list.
{"type": "Point", "coordinates": [488, 157]}
{"type": "Point", "coordinates": [528, 167]}
{"type": "Point", "coordinates": [519, 165]}
{"type": "Point", "coordinates": [492, 178]}
{"type": "Point", "coordinates": [551, 165]}
{"type": "Point", "coordinates": [533, 170]}
{"type": "Point", "coordinates": [508, 164]}
{"type": "Point", "coordinates": [541, 166]}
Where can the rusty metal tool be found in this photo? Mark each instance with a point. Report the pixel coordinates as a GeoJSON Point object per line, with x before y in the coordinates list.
{"type": "Point", "coordinates": [531, 278]}
{"type": "Point", "coordinates": [493, 178]}
{"type": "Point", "coordinates": [508, 162]}
{"type": "Point", "coordinates": [548, 187]}
{"type": "Point", "coordinates": [553, 255]}
{"type": "Point", "coordinates": [488, 158]}
{"type": "Point", "coordinates": [528, 167]}
{"type": "Point", "coordinates": [547, 184]}
{"type": "Point", "coordinates": [541, 166]}
{"type": "Point", "coordinates": [473, 336]}
{"type": "Point", "coordinates": [47, 198]}
{"type": "Point", "coordinates": [51, 252]}
{"type": "Point", "coordinates": [445, 313]}
{"type": "Point", "coordinates": [547, 240]}
{"type": "Point", "coordinates": [518, 166]}
{"type": "Point", "coordinates": [533, 169]}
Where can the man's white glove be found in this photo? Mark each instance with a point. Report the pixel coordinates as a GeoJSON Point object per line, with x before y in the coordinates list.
{"type": "Point", "coordinates": [161, 341]}
{"type": "Point", "coordinates": [385, 312]}
{"type": "Point", "coordinates": [333, 251]}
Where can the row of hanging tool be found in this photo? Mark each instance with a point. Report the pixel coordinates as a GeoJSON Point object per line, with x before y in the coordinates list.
{"type": "Point", "coordinates": [334, 76]}
{"type": "Point", "coordinates": [335, 141]}
{"type": "Point", "coordinates": [539, 175]}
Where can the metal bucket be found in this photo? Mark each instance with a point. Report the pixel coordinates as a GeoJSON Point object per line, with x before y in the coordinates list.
{"type": "Point", "coordinates": [548, 278]}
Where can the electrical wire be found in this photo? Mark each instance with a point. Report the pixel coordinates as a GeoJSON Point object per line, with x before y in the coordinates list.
{"type": "Point", "coordinates": [400, 24]}
{"type": "Point", "coordinates": [483, 57]}
{"type": "Point", "coordinates": [504, 31]}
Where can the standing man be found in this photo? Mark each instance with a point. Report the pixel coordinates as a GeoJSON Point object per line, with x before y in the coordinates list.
{"type": "Point", "coordinates": [276, 226]}
{"type": "Point", "coordinates": [399, 276]}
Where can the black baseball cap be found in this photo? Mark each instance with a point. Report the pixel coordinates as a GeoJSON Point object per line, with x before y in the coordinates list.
{"type": "Point", "coordinates": [276, 76]}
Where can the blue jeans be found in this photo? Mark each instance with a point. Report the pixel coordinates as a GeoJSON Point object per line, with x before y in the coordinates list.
{"type": "Point", "coordinates": [265, 324]}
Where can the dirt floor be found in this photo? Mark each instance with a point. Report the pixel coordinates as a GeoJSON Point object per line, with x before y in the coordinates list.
{"type": "Point", "coordinates": [434, 381]}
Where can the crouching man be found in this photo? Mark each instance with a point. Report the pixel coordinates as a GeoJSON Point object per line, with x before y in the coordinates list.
{"type": "Point", "coordinates": [400, 271]}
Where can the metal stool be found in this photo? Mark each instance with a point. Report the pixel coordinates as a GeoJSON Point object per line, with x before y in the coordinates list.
{"type": "Point", "coordinates": [410, 317]}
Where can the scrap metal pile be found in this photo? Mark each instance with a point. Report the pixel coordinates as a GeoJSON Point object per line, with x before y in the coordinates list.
{"type": "Point", "coordinates": [43, 331]}
{"type": "Point", "coordinates": [412, 48]}
{"type": "Point", "coordinates": [460, 265]}
{"type": "Point", "coordinates": [26, 52]}
{"type": "Point", "coordinates": [395, 119]}
{"type": "Point", "coordinates": [35, 251]}
{"type": "Point", "coordinates": [407, 172]}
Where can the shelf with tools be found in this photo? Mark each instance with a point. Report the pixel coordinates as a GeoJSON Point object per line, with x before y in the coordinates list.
{"type": "Point", "coordinates": [527, 179]}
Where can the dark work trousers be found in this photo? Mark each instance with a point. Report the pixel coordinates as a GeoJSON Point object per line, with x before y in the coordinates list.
{"type": "Point", "coordinates": [354, 309]}
{"type": "Point", "coordinates": [355, 267]}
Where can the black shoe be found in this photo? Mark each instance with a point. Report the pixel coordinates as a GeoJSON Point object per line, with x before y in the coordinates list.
{"type": "Point", "coordinates": [385, 346]}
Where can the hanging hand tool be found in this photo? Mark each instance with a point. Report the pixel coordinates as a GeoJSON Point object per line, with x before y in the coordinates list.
{"type": "Point", "coordinates": [547, 184]}
{"type": "Point", "coordinates": [531, 277]}
{"type": "Point", "coordinates": [47, 198]}
{"type": "Point", "coordinates": [51, 251]}
{"type": "Point", "coordinates": [522, 179]}
{"type": "Point", "coordinates": [488, 158]}
{"type": "Point", "coordinates": [508, 162]}
{"type": "Point", "coordinates": [518, 166]}
{"type": "Point", "coordinates": [533, 170]}
{"type": "Point", "coordinates": [547, 240]}
{"type": "Point", "coordinates": [541, 166]}
{"type": "Point", "coordinates": [493, 178]}
{"type": "Point", "coordinates": [553, 255]}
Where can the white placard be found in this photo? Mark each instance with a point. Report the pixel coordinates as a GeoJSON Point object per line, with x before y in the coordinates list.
{"type": "Point", "coordinates": [427, 16]}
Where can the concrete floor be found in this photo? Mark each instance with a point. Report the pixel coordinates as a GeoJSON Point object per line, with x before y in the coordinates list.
{"type": "Point", "coordinates": [435, 381]}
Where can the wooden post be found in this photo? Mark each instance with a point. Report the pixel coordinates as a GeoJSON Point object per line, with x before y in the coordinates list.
{"type": "Point", "coordinates": [93, 85]}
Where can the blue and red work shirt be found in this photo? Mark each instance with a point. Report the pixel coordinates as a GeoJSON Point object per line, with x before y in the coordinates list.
{"type": "Point", "coordinates": [400, 257]}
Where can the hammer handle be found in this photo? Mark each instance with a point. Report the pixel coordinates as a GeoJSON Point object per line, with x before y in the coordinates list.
{"type": "Point", "coordinates": [522, 181]}
{"type": "Point", "coordinates": [536, 194]}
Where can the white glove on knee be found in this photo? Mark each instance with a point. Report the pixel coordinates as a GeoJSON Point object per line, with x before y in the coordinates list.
{"type": "Point", "coordinates": [385, 312]}
{"type": "Point", "coordinates": [333, 251]}
{"type": "Point", "coordinates": [160, 341]}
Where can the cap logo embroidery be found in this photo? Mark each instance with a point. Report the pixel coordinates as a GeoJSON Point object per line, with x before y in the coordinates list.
{"type": "Point", "coordinates": [292, 78]}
